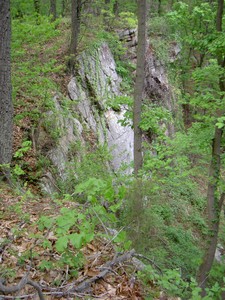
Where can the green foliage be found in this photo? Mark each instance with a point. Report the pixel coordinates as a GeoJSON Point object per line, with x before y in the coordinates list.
{"type": "Point", "coordinates": [171, 282]}
{"type": "Point", "coordinates": [20, 166]}
{"type": "Point", "coordinates": [193, 23]}
{"type": "Point", "coordinates": [91, 186]}
{"type": "Point", "coordinates": [220, 123]}
{"type": "Point", "coordinates": [128, 20]}
{"type": "Point", "coordinates": [31, 81]}
{"type": "Point", "coordinates": [8, 273]}
{"type": "Point", "coordinates": [172, 224]}
{"type": "Point", "coordinates": [19, 8]}
{"type": "Point", "coordinates": [17, 170]}
{"type": "Point", "coordinates": [207, 96]}
{"type": "Point", "coordinates": [120, 101]}
{"type": "Point", "coordinates": [98, 192]}
{"type": "Point", "coordinates": [154, 119]}
{"type": "Point", "coordinates": [26, 146]}
{"type": "Point", "coordinates": [126, 71]}
{"type": "Point", "coordinates": [128, 5]}
{"type": "Point", "coordinates": [73, 228]}
{"type": "Point", "coordinates": [45, 265]}
{"type": "Point", "coordinates": [91, 163]}
{"type": "Point", "coordinates": [159, 32]}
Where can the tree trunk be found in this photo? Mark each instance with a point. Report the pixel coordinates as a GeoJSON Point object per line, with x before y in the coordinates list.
{"type": "Point", "coordinates": [53, 9]}
{"type": "Point", "coordinates": [75, 25]}
{"type": "Point", "coordinates": [214, 203]}
{"type": "Point", "coordinates": [116, 8]}
{"type": "Point", "coordinates": [139, 85]}
{"type": "Point", "coordinates": [159, 7]}
{"type": "Point", "coordinates": [6, 106]}
{"type": "Point", "coordinates": [63, 8]}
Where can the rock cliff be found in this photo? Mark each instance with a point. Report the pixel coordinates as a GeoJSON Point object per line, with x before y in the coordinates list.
{"type": "Point", "coordinates": [95, 83]}
{"type": "Point", "coordinates": [85, 112]}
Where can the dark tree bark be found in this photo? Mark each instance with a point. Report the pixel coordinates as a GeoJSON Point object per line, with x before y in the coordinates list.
{"type": "Point", "coordinates": [53, 9]}
{"type": "Point", "coordinates": [214, 206]}
{"type": "Point", "coordinates": [214, 201]}
{"type": "Point", "coordinates": [75, 25]}
{"type": "Point", "coordinates": [116, 8]}
{"type": "Point", "coordinates": [63, 8]}
{"type": "Point", "coordinates": [159, 7]}
{"type": "Point", "coordinates": [139, 85]}
{"type": "Point", "coordinates": [6, 106]}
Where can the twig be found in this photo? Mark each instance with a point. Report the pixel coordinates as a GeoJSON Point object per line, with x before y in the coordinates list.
{"type": "Point", "coordinates": [103, 225]}
{"type": "Point", "coordinates": [37, 287]}
{"type": "Point", "coordinates": [16, 288]}
{"type": "Point", "coordinates": [149, 260]}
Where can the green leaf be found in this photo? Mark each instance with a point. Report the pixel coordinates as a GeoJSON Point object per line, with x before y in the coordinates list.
{"type": "Point", "coordinates": [89, 237]}
{"type": "Point", "coordinates": [45, 222]}
{"type": "Point", "coordinates": [45, 265]}
{"type": "Point", "coordinates": [18, 171]}
{"type": "Point", "coordinates": [91, 186]}
{"type": "Point", "coordinates": [220, 125]}
{"type": "Point", "coordinates": [76, 240]}
{"type": "Point", "coordinates": [61, 243]}
{"type": "Point", "coordinates": [47, 244]}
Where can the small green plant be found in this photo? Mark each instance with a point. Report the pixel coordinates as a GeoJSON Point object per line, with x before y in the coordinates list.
{"type": "Point", "coordinates": [154, 119]}
{"type": "Point", "coordinates": [46, 265]}
{"type": "Point", "coordinates": [172, 283]}
{"type": "Point", "coordinates": [8, 273]}
{"type": "Point", "coordinates": [72, 230]}
{"type": "Point", "coordinates": [128, 20]}
{"type": "Point", "coordinates": [25, 147]}
{"type": "Point", "coordinates": [118, 102]}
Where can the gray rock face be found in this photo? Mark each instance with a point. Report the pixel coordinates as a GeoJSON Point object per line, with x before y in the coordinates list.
{"type": "Point", "coordinates": [96, 73]}
{"type": "Point", "coordinates": [70, 131]}
{"type": "Point", "coordinates": [95, 83]}
{"type": "Point", "coordinates": [99, 82]}
{"type": "Point", "coordinates": [57, 132]}
{"type": "Point", "coordinates": [120, 140]}
{"type": "Point", "coordinates": [219, 254]}
{"type": "Point", "coordinates": [156, 89]}
{"type": "Point", "coordinates": [129, 36]}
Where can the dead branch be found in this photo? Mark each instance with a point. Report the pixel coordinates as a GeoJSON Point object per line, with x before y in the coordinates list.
{"type": "Point", "coordinates": [107, 268]}
{"type": "Point", "coordinates": [37, 287]}
{"type": "Point", "coordinates": [16, 288]}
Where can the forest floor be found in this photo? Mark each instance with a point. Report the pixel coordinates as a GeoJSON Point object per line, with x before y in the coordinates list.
{"type": "Point", "coordinates": [22, 253]}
